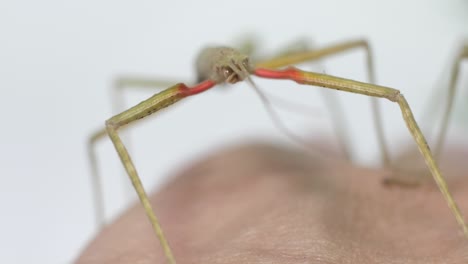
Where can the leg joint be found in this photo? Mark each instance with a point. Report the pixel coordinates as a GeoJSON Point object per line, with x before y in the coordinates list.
{"type": "Point", "coordinates": [111, 125]}
{"type": "Point", "coordinates": [395, 96]}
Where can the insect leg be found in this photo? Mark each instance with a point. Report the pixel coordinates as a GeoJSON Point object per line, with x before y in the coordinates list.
{"type": "Point", "coordinates": [331, 82]}
{"type": "Point", "coordinates": [462, 55]}
{"type": "Point", "coordinates": [141, 110]}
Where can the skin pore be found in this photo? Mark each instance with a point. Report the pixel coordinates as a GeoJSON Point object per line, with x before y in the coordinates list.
{"type": "Point", "coordinates": [262, 203]}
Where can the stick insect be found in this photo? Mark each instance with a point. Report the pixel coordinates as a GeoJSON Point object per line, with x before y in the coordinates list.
{"type": "Point", "coordinates": [220, 65]}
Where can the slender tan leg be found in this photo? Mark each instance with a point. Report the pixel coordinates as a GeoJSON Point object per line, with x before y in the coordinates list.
{"type": "Point", "coordinates": [298, 46]}
{"type": "Point", "coordinates": [97, 184]}
{"type": "Point", "coordinates": [462, 55]}
{"type": "Point", "coordinates": [391, 94]}
{"type": "Point", "coordinates": [120, 84]}
{"type": "Point", "coordinates": [143, 109]}
{"type": "Point", "coordinates": [98, 197]}
{"type": "Point", "coordinates": [134, 82]}
{"type": "Point", "coordinates": [335, 110]}
{"type": "Point", "coordinates": [126, 82]}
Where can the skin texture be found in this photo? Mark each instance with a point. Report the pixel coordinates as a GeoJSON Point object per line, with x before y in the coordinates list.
{"type": "Point", "coordinates": [261, 203]}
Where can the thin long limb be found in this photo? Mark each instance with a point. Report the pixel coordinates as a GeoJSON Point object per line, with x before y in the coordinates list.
{"type": "Point", "coordinates": [125, 82]}
{"type": "Point", "coordinates": [249, 46]}
{"type": "Point", "coordinates": [298, 46]}
{"type": "Point", "coordinates": [300, 57]}
{"type": "Point", "coordinates": [340, 124]}
{"type": "Point", "coordinates": [393, 95]}
{"type": "Point", "coordinates": [143, 109]}
{"type": "Point", "coordinates": [98, 197]}
{"type": "Point", "coordinates": [463, 55]}
{"type": "Point", "coordinates": [117, 106]}
{"type": "Point", "coordinates": [118, 103]}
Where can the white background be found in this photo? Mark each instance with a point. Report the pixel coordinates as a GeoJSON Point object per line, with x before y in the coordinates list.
{"type": "Point", "coordinates": [58, 60]}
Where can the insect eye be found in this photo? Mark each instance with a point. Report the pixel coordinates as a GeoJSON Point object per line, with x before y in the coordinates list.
{"type": "Point", "coordinates": [227, 72]}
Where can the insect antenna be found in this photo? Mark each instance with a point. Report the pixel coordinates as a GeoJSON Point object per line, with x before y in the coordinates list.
{"type": "Point", "coordinates": [279, 124]}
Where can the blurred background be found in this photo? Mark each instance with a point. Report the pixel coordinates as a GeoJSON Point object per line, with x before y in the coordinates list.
{"type": "Point", "coordinates": [58, 60]}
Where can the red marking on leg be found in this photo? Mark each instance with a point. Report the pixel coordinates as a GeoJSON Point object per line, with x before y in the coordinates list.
{"type": "Point", "coordinates": [290, 73]}
{"type": "Point", "coordinates": [201, 87]}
